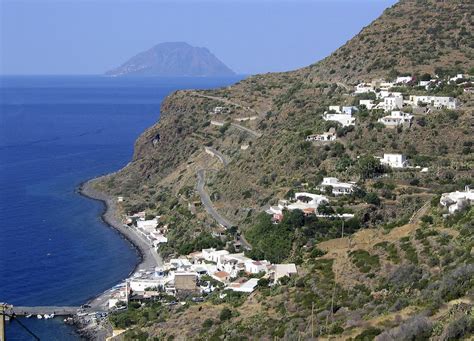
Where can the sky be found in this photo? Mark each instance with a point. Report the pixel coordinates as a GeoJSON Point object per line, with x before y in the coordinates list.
{"type": "Point", "coordinates": [250, 36]}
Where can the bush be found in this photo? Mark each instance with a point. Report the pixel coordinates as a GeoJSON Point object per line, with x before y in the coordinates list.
{"type": "Point", "coordinates": [416, 328]}
{"type": "Point", "coordinates": [372, 198]}
{"type": "Point", "coordinates": [427, 219]}
{"type": "Point", "coordinates": [226, 314]}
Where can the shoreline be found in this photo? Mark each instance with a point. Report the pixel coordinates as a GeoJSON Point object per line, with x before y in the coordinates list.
{"type": "Point", "coordinates": [148, 257]}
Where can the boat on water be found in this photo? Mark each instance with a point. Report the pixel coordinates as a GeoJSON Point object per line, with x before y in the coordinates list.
{"type": "Point", "coordinates": [48, 316]}
{"type": "Point", "coordinates": [28, 316]}
{"type": "Point", "coordinates": [39, 316]}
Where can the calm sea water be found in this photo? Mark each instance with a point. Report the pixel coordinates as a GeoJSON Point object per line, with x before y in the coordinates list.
{"type": "Point", "coordinates": [56, 132]}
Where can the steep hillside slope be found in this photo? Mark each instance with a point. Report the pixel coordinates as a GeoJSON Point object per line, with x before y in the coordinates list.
{"type": "Point", "coordinates": [414, 36]}
{"type": "Point", "coordinates": [408, 263]}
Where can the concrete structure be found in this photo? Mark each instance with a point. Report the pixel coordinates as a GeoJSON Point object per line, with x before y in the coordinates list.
{"type": "Point", "coordinates": [324, 137]}
{"type": "Point", "coordinates": [246, 287]}
{"type": "Point", "coordinates": [282, 270]}
{"type": "Point", "coordinates": [456, 201]}
{"type": "Point", "coordinates": [396, 118]}
{"type": "Point", "coordinates": [306, 202]}
{"type": "Point", "coordinates": [338, 188]}
{"type": "Point", "coordinates": [403, 80]}
{"type": "Point", "coordinates": [185, 280]}
{"type": "Point", "coordinates": [394, 160]}
{"type": "Point", "coordinates": [364, 88]}
{"type": "Point", "coordinates": [141, 284]}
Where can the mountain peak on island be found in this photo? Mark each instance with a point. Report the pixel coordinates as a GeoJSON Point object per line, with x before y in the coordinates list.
{"type": "Point", "coordinates": [173, 59]}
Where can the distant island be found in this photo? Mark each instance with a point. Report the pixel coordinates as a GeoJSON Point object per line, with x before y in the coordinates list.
{"type": "Point", "coordinates": [175, 59]}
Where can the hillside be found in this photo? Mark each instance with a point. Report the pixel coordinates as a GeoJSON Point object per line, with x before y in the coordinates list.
{"type": "Point", "coordinates": [173, 60]}
{"type": "Point", "coordinates": [392, 272]}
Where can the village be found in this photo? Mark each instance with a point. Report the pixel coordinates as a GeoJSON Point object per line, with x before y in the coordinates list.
{"type": "Point", "coordinates": [193, 276]}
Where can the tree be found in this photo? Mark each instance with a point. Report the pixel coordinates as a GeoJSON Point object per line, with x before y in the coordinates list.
{"type": "Point", "coordinates": [372, 198]}
{"type": "Point", "coordinates": [368, 166]}
{"type": "Point", "coordinates": [263, 283]}
{"type": "Point", "coordinates": [325, 209]}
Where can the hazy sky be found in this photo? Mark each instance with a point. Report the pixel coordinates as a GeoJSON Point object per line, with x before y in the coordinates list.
{"type": "Point", "coordinates": [250, 36]}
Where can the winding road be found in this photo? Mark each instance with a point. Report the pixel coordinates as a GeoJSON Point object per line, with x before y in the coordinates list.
{"type": "Point", "coordinates": [227, 101]}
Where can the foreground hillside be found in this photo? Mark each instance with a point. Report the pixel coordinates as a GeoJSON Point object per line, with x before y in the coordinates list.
{"type": "Point", "coordinates": [403, 270]}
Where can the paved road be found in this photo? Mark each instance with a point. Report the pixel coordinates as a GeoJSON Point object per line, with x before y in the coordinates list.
{"type": "Point", "coordinates": [207, 203]}
{"type": "Point", "coordinates": [238, 126]}
{"type": "Point", "coordinates": [206, 200]}
{"type": "Point", "coordinates": [227, 101]}
{"type": "Point", "coordinates": [219, 155]}
{"type": "Point", "coordinates": [250, 131]}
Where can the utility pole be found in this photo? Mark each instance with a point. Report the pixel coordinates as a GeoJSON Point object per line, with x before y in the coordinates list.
{"type": "Point", "coordinates": [2, 322]}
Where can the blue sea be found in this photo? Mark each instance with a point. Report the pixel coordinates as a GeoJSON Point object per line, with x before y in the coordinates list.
{"type": "Point", "coordinates": [56, 132]}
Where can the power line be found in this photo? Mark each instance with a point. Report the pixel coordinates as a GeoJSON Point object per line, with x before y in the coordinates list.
{"type": "Point", "coordinates": [13, 318]}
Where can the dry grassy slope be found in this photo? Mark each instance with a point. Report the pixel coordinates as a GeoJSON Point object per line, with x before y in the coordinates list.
{"type": "Point", "coordinates": [412, 36]}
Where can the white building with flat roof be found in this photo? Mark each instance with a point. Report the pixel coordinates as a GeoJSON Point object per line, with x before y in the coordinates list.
{"type": "Point", "coordinates": [213, 255]}
{"type": "Point", "coordinates": [396, 118]}
{"type": "Point", "coordinates": [282, 270]}
{"type": "Point", "coordinates": [390, 103]}
{"type": "Point", "coordinates": [394, 160]}
{"type": "Point", "coordinates": [344, 119]}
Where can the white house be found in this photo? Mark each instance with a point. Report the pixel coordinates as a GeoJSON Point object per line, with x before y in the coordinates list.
{"type": "Point", "coordinates": [344, 119]}
{"type": "Point", "coordinates": [456, 201]}
{"type": "Point", "coordinates": [391, 102]}
{"type": "Point", "coordinates": [394, 160]}
{"type": "Point", "coordinates": [396, 118]}
{"type": "Point", "coordinates": [257, 266]}
{"type": "Point", "coordinates": [435, 101]}
{"type": "Point", "coordinates": [338, 188]}
{"type": "Point", "coordinates": [213, 255]}
{"type": "Point", "coordinates": [368, 103]}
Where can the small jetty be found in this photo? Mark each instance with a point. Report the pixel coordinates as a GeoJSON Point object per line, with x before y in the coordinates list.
{"type": "Point", "coordinates": [46, 310]}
